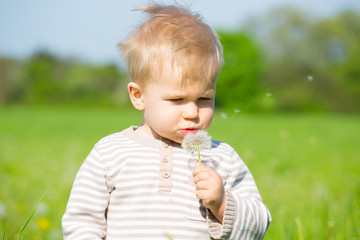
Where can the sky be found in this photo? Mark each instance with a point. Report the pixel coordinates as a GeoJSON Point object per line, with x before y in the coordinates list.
{"type": "Point", "coordinates": [90, 29]}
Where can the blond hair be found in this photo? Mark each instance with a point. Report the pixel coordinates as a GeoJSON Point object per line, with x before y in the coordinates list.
{"type": "Point", "coordinates": [172, 34]}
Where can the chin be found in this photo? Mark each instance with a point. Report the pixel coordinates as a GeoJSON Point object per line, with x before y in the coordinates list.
{"type": "Point", "coordinates": [177, 140]}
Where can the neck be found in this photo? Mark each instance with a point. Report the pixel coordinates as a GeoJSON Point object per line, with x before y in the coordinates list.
{"type": "Point", "coordinates": [146, 131]}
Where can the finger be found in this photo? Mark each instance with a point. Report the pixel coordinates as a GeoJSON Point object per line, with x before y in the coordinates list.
{"type": "Point", "coordinates": [207, 198]}
{"type": "Point", "coordinates": [202, 185]}
{"type": "Point", "coordinates": [197, 169]}
{"type": "Point", "coordinates": [202, 176]}
{"type": "Point", "coordinates": [201, 194]}
{"type": "Point", "coordinates": [200, 169]}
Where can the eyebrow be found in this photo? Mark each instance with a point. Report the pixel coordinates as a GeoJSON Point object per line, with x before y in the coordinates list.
{"type": "Point", "coordinates": [208, 93]}
{"type": "Point", "coordinates": [176, 95]}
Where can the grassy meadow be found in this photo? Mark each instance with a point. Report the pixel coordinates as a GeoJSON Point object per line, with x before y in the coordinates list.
{"type": "Point", "coordinates": [307, 167]}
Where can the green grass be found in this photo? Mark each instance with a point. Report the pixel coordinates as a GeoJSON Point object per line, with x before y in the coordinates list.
{"type": "Point", "coordinates": [306, 166]}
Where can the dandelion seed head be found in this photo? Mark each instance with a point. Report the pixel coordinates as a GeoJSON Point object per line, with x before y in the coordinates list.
{"type": "Point", "coordinates": [198, 141]}
{"type": "Point", "coordinates": [310, 78]}
{"type": "Point", "coordinates": [268, 94]}
{"type": "Point", "coordinates": [236, 110]}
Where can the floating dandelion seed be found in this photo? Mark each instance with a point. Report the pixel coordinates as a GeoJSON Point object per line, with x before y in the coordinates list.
{"type": "Point", "coordinates": [223, 115]}
{"type": "Point", "coordinates": [195, 142]}
{"type": "Point", "coordinates": [310, 78]}
{"type": "Point", "coordinates": [268, 94]}
{"type": "Point", "coordinates": [236, 111]}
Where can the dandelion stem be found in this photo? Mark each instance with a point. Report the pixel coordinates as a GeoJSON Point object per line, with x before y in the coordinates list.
{"type": "Point", "coordinates": [198, 149]}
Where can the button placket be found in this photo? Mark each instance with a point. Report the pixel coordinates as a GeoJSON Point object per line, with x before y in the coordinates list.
{"type": "Point", "coordinates": [165, 174]}
{"type": "Point", "coordinates": [165, 159]}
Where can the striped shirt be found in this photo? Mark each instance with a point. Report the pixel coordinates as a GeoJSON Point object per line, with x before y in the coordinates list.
{"type": "Point", "coordinates": [133, 187]}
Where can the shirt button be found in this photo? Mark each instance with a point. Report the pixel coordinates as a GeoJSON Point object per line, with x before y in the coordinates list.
{"type": "Point", "coordinates": [166, 174]}
{"type": "Point", "coordinates": [165, 159]}
{"type": "Point", "coordinates": [165, 145]}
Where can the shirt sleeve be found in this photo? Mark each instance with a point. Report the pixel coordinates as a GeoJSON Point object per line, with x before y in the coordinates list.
{"type": "Point", "coordinates": [246, 216]}
{"type": "Point", "coordinates": [85, 215]}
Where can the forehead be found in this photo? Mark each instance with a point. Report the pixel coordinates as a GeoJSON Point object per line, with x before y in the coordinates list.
{"type": "Point", "coordinates": [181, 77]}
{"type": "Point", "coordinates": [174, 89]}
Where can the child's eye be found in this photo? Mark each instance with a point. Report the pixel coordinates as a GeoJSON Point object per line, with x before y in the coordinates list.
{"type": "Point", "coordinates": [204, 99]}
{"type": "Point", "coordinates": [175, 100]}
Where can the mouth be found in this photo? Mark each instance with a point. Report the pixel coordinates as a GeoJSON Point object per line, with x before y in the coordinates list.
{"type": "Point", "coordinates": [188, 130]}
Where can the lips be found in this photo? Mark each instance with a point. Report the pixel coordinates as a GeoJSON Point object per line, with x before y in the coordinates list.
{"type": "Point", "coordinates": [188, 130]}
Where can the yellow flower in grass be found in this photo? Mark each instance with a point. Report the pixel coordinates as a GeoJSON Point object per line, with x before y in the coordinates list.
{"type": "Point", "coordinates": [43, 223]}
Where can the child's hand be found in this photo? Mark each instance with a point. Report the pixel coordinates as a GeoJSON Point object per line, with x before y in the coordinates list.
{"type": "Point", "coordinates": [210, 189]}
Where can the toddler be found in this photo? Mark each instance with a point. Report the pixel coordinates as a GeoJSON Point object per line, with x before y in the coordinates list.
{"type": "Point", "coordinates": [139, 183]}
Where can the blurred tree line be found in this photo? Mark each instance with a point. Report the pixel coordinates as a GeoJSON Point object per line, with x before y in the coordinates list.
{"type": "Point", "coordinates": [287, 61]}
{"type": "Point", "coordinates": [282, 61]}
{"type": "Point", "coordinates": [46, 79]}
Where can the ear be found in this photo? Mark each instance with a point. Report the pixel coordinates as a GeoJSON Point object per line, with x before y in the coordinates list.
{"type": "Point", "coordinates": [135, 93]}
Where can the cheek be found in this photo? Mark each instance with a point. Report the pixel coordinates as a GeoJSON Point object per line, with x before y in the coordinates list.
{"type": "Point", "coordinates": [173, 112]}
{"type": "Point", "coordinates": [165, 113]}
{"type": "Point", "coordinates": [207, 115]}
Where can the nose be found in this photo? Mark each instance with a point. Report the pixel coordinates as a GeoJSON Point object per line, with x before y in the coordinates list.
{"type": "Point", "coordinates": [191, 111]}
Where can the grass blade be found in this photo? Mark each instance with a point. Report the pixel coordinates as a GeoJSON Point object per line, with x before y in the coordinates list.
{"type": "Point", "coordinates": [32, 213]}
{"type": "Point", "coordinates": [5, 225]}
{"type": "Point", "coordinates": [299, 228]}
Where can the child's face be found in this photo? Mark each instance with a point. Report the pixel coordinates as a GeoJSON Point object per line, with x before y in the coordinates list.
{"type": "Point", "coordinates": [172, 110]}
